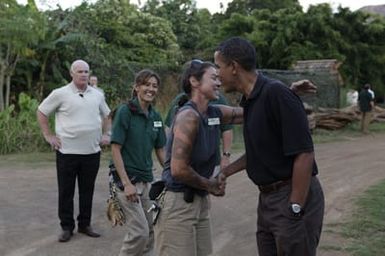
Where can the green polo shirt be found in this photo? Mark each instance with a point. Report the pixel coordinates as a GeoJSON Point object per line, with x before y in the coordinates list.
{"type": "Point", "coordinates": [138, 135]}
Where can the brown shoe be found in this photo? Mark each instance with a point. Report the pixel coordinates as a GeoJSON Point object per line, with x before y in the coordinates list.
{"type": "Point", "coordinates": [65, 236]}
{"type": "Point", "coordinates": [88, 231]}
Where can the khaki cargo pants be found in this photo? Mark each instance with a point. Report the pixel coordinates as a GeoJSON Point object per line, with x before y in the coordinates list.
{"type": "Point", "coordinates": [139, 240]}
{"type": "Point", "coordinates": [183, 229]}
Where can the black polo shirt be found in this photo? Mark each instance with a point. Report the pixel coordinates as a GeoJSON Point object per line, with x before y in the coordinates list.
{"type": "Point", "coordinates": [275, 130]}
{"type": "Point", "coordinates": [364, 99]}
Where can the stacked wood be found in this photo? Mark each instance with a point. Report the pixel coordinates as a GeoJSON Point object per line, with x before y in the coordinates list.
{"type": "Point", "coordinates": [334, 119]}
{"type": "Point", "coordinates": [378, 114]}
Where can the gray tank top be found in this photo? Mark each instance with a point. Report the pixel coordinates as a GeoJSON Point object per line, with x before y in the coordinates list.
{"type": "Point", "coordinates": [203, 157]}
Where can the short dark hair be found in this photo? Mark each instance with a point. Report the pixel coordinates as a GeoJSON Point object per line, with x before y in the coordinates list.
{"type": "Point", "coordinates": [239, 50]}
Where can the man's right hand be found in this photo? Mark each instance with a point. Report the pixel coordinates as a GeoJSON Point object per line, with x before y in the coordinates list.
{"type": "Point", "coordinates": [53, 141]}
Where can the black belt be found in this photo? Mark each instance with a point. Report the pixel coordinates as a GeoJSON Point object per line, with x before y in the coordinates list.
{"type": "Point", "coordinates": [198, 192]}
{"type": "Point", "coordinates": [275, 186]}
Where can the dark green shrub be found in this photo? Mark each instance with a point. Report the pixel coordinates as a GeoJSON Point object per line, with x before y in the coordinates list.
{"type": "Point", "coordinates": [19, 130]}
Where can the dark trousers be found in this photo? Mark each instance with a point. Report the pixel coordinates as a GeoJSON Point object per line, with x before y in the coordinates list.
{"type": "Point", "coordinates": [280, 233]}
{"type": "Point", "coordinates": [84, 168]}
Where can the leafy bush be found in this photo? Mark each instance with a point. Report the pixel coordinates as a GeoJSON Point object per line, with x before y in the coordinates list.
{"type": "Point", "coordinates": [19, 130]}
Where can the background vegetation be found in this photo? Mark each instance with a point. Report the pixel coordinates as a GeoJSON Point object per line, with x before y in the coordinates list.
{"type": "Point", "coordinates": [365, 230]}
{"type": "Point", "coordinates": [117, 38]}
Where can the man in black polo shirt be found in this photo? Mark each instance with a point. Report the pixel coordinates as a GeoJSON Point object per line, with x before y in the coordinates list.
{"type": "Point", "coordinates": [279, 155]}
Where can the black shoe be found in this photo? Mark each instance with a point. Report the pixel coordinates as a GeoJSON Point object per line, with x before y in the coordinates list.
{"type": "Point", "coordinates": [65, 236]}
{"type": "Point", "coordinates": [88, 231]}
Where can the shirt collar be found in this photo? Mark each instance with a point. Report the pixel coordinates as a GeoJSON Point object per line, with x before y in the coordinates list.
{"type": "Point", "coordinates": [75, 90]}
{"type": "Point", "coordinates": [135, 107]}
{"type": "Point", "coordinates": [259, 84]}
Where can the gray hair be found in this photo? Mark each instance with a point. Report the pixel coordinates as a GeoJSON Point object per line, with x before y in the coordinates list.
{"type": "Point", "coordinates": [77, 62]}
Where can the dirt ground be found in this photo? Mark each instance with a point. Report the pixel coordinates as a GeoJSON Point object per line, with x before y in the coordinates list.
{"type": "Point", "coordinates": [28, 204]}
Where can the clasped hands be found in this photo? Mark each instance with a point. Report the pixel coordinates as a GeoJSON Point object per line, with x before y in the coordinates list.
{"type": "Point", "coordinates": [217, 185]}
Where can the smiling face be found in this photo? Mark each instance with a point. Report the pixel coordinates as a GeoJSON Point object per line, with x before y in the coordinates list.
{"type": "Point", "coordinates": [209, 84]}
{"type": "Point", "coordinates": [147, 91]}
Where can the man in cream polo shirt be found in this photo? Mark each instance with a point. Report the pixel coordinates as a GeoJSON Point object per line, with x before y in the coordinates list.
{"type": "Point", "coordinates": [80, 116]}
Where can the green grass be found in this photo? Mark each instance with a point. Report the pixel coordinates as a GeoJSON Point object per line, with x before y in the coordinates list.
{"type": "Point", "coordinates": [366, 229]}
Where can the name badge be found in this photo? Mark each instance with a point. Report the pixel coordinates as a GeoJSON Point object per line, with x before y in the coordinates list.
{"type": "Point", "coordinates": [157, 124]}
{"type": "Point", "coordinates": [214, 121]}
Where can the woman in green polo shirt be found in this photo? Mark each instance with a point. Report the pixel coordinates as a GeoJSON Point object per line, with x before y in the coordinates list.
{"type": "Point", "coordinates": [137, 130]}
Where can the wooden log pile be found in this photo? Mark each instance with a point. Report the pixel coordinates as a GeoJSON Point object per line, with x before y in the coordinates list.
{"type": "Point", "coordinates": [379, 114]}
{"type": "Point", "coordinates": [334, 119]}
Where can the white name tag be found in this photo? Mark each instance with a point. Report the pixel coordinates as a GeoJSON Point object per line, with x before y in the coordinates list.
{"type": "Point", "coordinates": [214, 121]}
{"type": "Point", "coordinates": [157, 124]}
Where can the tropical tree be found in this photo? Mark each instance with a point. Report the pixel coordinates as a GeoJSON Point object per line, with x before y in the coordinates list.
{"type": "Point", "coordinates": [21, 27]}
{"type": "Point", "coordinates": [192, 27]}
{"type": "Point", "coordinates": [112, 36]}
{"type": "Point", "coordinates": [246, 7]}
{"type": "Point", "coordinates": [364, 47]}
{"type": "Point", "coordinates": [119, 40]}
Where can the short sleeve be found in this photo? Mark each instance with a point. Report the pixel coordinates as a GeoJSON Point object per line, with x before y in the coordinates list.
{"type": "Point", "coordinates": [104, 109]}
{"type": "Point", "coordinates": [290, 120]}
{"type": "Point", "coordinates": [160, 141]}
{"type": "Point", "coordinates": [51, 103]}
{"type": "Point", "coordinates": [172, 110]}
{"type": "Point", "coordinates": [120, 125]}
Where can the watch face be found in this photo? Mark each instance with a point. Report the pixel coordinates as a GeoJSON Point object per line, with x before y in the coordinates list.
{"type": "Point", "coordinates": [296, 208]}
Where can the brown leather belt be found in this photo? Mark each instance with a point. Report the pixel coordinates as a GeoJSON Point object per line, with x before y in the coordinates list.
{"type": "Point", "coordinates": [275, 186]}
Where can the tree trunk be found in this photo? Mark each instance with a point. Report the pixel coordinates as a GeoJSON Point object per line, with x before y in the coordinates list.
{"type": "Point", "coordinates": [2, 76]}
{"type": "Point", "coordinates": [10, 71]}
{"type": "Point", "coordinates": [7, 90]}
{"type": "Point", "coordinates": [42, 78]}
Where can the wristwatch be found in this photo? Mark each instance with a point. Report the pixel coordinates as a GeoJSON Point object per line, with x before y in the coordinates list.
{"type": "Point", "coordinates": [227, 154]}
{"type": "Point", "coordinates": [296, 209]}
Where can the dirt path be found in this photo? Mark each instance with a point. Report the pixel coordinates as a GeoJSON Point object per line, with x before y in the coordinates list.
{"type": "Point", "coordinates": [28, 204]}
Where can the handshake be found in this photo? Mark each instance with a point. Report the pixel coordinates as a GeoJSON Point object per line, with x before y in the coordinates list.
{"type": "Point", "coordinates": [217, 184]}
